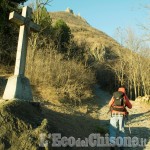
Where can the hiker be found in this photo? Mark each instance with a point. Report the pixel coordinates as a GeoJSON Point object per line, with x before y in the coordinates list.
{"type": "Point", "coordinates": [118, 110]}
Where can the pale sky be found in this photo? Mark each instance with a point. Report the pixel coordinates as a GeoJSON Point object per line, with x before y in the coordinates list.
{"type": "Point", "coordinates": [107, 15]}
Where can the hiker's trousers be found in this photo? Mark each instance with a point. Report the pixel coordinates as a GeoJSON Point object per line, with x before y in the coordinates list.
{"type": "Point", "coordinates": [116, 128]}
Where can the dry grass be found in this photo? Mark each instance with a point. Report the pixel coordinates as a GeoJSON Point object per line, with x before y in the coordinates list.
{"type": "Point", "coordinates": [19, 120]}
{"type": "Point", "coordinates": [71, 79]}
{"type": "Point", "coordinates": [6, 70]}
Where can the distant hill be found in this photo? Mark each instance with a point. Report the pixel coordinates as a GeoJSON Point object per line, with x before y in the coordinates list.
{"type": "Point", "coordinates": [99, 42]}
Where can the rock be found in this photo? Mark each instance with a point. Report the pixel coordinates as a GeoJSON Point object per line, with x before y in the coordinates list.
{"type": "Point", "coordinates": [139, 98]}
{"type": "Point", "coordinates": [145, 98]}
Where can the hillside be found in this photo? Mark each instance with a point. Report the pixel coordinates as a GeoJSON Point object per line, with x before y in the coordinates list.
{"type": "Point", "coordinates": [26, 122]}
{"type": "Point", "coordinates": [54, 112]}
{"type": "Point", "coordinates": [99, 42]}
{"type": "Point", "coordinates": [80, 28]}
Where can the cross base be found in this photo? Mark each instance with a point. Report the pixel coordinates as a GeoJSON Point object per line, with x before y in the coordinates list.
{"type": "Point", "coordinates": [18, 87]}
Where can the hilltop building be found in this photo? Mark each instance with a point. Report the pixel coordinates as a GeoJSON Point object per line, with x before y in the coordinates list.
{"type": "Point", "coordinates": [69, 10]}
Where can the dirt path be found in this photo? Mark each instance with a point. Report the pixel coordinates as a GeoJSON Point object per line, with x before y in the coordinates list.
{"type": "Point", "coordinates": [139, 118]}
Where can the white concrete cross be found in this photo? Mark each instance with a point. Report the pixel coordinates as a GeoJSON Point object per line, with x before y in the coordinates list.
{"type": "Point", "coordinates": [25, 25]}
{"type": "Point", "coordinates": [18, 86]}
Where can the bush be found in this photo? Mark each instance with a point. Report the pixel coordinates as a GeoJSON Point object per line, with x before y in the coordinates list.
{"type": "Point", "coordinates": [62, 35]}
{"type": "Point", "coordinates": [71, 79]}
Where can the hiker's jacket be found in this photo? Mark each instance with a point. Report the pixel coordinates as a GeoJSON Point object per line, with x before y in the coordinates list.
{"type": "Point", "coordinates": [127, 103]}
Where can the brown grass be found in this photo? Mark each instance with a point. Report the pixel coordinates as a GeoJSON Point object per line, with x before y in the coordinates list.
{"type": "Point", "coordinates": [72, 80]}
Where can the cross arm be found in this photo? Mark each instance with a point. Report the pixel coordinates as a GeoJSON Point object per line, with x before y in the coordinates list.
{"type": "Point", "coordinates": [34, 27]}
{"type": "Point", "coordinates": [16, 18]}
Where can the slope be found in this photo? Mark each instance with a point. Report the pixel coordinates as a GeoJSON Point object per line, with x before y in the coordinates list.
{"type": "Point", "coordinates": [98, 42]}
{"type": "Point", "coordinates": [24, 123]}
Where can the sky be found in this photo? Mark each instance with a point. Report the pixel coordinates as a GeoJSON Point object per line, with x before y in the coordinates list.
{"type": "Point", "coordinates": [107, 15]}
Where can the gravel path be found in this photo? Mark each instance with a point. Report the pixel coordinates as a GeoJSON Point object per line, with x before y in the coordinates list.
{"type": "Point", "coordinates": [139, 118]}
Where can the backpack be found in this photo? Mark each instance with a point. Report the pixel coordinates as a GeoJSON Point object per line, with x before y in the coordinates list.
{"type": "Point", "coordinates": [119, 98]}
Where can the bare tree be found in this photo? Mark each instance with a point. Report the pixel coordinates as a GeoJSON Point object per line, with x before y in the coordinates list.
{"type": "Point", "coordinates": [135, 63]}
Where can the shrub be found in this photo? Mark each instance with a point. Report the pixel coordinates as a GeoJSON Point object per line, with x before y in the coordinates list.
{"type": "Point", "coordinates": [62, 35]}
{"type": "Point", "coordinates": [71, 79]}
